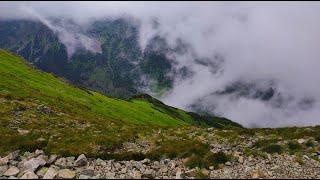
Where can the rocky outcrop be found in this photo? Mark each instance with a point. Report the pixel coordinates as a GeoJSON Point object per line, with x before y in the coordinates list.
{"type": "Point", "coordinates": [37, 165]}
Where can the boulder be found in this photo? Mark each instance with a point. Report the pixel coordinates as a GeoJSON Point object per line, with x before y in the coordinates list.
{"type": "Point", "coordinates": [39, 152]}
{"type": "Point", "coordinates": [81, 160]}
{"type": "Point", "coordinates": [87, 172]}
{"type": "Point", "coordinates": [178, 173]}
{"type": "Point", "coordinates": [29, 175]}
{"type": "Point", "coordinates": [70, 161]}
{"type": "Point", "coordinates": [84, 177]}
{"type": "Point", "coordinates": [4, 161]}
{"type": "Point", "coordinates": [33, 164]}
{"type": "Point", "coordinates": [42, 171]}
{"type": "Point", "coordinates": [14, 155]}
{"type": "Point", "coordinates": [51, 173]}
{"type": "Point", "coordinates": [3, 169]}
{"type": "Point", "coordinates": [62, 162]}
{"type": "Point", "coordinates": [66, 174]}
{"type": "Point", "coordinates": [52, 159]}
{"type": "Point", "coordinates": [301, 141]}
{"type": "Point", "coordinates": [12, 171]}
{"type": "Point", "coordinates": [240, 159]}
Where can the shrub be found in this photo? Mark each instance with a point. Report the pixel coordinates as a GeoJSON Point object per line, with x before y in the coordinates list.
{"type": "Point", "coordinates": [273, 148]}
{"type": "Point", "coordinates": [310, 143]}
{"type": "Point", "coordinates": [210, 159]}
{"type": "Point", "coordinates": [294, 146]}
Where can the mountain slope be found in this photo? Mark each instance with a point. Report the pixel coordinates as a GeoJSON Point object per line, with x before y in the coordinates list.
{"type": "Point", "coordinates": [41, 111]}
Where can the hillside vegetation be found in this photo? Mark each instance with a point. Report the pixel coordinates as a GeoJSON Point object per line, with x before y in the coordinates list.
{"type": "Point", "coordinates": [39, 110]}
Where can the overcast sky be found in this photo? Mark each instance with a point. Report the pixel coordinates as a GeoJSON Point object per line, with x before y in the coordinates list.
{"type": "Point", "coordinates": [260, 41]}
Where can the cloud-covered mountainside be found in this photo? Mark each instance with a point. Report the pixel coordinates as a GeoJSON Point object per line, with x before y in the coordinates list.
{"type": "Point", "coordinates": [255, 63]}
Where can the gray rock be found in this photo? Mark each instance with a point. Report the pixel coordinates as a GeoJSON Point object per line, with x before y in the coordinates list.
{"type": "Point", "coordinates": [87, 172]}
{"type": "Point", "coordinates": [149, 173]}
{"type": "Point", "coordinates": [14, 155]}
{"type": "Point", "coordinates": [3, 169]}
{"type": "Point", "coordinates": [139, 166]}
{"type": "Point", "coordinates": [301, 141]}
{"type": "Point", "coordinates": [51, 173]}
{"type": "Point", "coordinates": [4, 161]}
{"type": "Point", "coordinates": [100, 162]}
{"type": "Point", "coordinates": [33, 164]}
{"type": "Point", "coordinates": [62, 162]}
{"type": "Point", "coordinates": [240, 159]}
{"type": "Point", "coordinates": [66, 174]}
{"type": "Point", "coordinates": [12, 177]}
{"type": "Point", "coordinates": [191, 173]}
{"type": "Point", "coordinates": [29, 175]}
{"type": "Point", "coordinates": [145, 161]}
{"type": "Point", "coordinates": [70, 161]}
{"type": "Point", "coordinates": [13, 163]}
{"type": "Point", "coordinates": [178, 173]}
{"type": "Point", "coordinates": [228, 163]}
{"type": "Point", "coordinates": [81, 160]}
{"type": "Point", "coordinates": [12, 171]}
{"type": "Point", "coordinates": [84, 177]}
{"type": "Point", "coordinates": [39, 152]}
{"type": "Point", "coordinates": [52, 159]}
{"type": "Point", "coordinates": [42, 171]}
{"type": "Point", "coordinates": [110, 175]}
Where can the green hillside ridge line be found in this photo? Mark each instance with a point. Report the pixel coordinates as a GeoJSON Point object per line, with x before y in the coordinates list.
{"type": "Point", "coordinates": [39, 110]}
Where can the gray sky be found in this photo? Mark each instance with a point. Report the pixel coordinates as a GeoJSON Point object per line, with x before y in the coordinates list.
{"type": "Point", "coordinates": [259, 41]}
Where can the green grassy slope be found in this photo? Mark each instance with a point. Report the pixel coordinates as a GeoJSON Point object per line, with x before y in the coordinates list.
{"type": "Point", "coordinates": [39, 110]}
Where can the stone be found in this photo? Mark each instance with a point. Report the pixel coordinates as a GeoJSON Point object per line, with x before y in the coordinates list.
{"type": "Point", "coordinates": [51, 173]}
{"type": "Point", "coordinates": [4, 161]}
{"type": "Point", "coordinates": [52, 159]}
{"type": "Point", "coordinates": [14, 155]}
{"type": "Point", "coordinates": [66, 174]}
{"type": "Point", "coordinates": [70, 161]}
{"type": "Point", "coordinates": [33, 164]}
{"type": "Point", "coordinates": [205, 172]}
{"type": "Point", "coordinates": [29, 175]}
{"type": "Point", "coordinates": [145, 161]}
{"type": "Point", "coordinates": [84, 177]}
{"type": "Point", "coordinates": [110, 175]}
{"type": "Point", "coordinates": [12, 177]}
{"type": "Point", "coordinates": [87, 172]}
{"type": "Point", "coordinates": [191, 173]}
{"type": "Point", "coordinates": [12, 171]}
{"type": "Point", "coordinates": [149, 173]}
{"type": "Point", "coordinates": [136, 175]}
{"type": "Point", "coordinates": [3, 169]}
{"type": "Point", "coordinates": [100, 162]}
{"type": "Point", "coordinates": [62, 162]}
{"type": "Point", "coordinates": [306, 157]}
{"type": "Point", "coordinates": [39, 152]}
{"type": "Point", "coordinates": [178, 173]}
{"type": "Point", "coordinates": [23, 132]}
{"type": "Point", "coordinates": [228, 163]}
{"type": "Point", "coordinates": [301, 141]}
{"type": "Point", "coordinates": [257, 174]}
{"type": "Point", "coordinates": [42, 171]}
{"type": "Point", "coordinates": [81, 160]}
{"type": "Point", "coordinates": [240, 159]}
